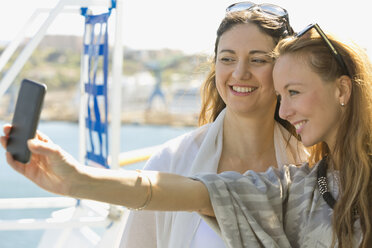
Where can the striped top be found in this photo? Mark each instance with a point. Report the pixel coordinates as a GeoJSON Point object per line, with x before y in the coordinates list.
{"type": "Point", "coordinates": [277, 208]}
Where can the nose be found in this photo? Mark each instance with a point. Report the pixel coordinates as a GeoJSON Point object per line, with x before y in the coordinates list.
{"type": "Point", "coordinates": [242, 70]}
{"type": "Point", "coordinates": [285, 109]}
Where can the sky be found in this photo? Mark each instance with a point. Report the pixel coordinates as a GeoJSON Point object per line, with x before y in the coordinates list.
{"type": "Point", "coordinates": [191, 25]}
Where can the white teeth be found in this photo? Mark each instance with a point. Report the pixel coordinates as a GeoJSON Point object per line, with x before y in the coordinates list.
{"type": "Point", "coordinates": [243, 89]}
{"type": "Point", "coordinates": [298, 125]}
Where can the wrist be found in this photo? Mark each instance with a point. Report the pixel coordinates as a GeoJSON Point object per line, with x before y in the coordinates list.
{"type": "Point", "coordinates": [79, 182]}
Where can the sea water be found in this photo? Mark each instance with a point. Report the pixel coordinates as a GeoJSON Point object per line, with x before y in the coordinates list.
{"type": "Point", "coordinates": [65, 134]}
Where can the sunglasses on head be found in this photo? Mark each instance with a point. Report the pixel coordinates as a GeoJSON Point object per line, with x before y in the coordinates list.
{"type": "Point", "coordinates": [266, 8]}
{"type": "Point", "coordinates": [329, 44]}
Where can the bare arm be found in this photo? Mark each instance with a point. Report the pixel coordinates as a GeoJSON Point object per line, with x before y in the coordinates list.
{"type": "Point", "coordinates": [170, 192]}
{"type": "Point", "coordinates": [55, 170]}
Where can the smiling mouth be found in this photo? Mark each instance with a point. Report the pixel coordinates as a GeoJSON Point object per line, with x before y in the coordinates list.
{"type": "Point", "coordinates": [241, 89]}
{"type": "Point", "coordinates": [299, 125]}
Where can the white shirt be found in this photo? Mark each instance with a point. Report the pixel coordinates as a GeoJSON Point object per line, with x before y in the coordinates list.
{"type": "Point", "coordinates": [190, 154]}
{"type": "Point", "coordinates": [206, 237]}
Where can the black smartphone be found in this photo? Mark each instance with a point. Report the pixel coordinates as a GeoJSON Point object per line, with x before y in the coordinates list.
{"type": "Point", "coordinates": [25, 119]}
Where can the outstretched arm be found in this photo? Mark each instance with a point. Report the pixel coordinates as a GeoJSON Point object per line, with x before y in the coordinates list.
{"type": "Point", "coordinates": [55, 170]}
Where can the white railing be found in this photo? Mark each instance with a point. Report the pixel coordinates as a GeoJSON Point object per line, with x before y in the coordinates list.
{"type": "Point", "coordinates": [72, 220]}
{"type": "Point", "coordinates": [95, 214]}
{"type": "Point", "coordinates": [71, 215]}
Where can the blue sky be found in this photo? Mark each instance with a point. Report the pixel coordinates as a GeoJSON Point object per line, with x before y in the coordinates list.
{"type": "Point", "coordinates": [190, 25]}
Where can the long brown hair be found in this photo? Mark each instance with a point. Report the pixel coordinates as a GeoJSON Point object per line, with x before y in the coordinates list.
{"type": "Point", "coordinates": [212, 103]}
{"type": "Point", "coordinates": [352, 152]}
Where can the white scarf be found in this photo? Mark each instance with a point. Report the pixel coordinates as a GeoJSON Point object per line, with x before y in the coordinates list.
{"type": "Point", "coordinates": [207, 160]}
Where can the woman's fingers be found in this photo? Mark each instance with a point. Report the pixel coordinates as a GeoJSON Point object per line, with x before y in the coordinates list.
{"type": "Point", "coordinates": [42, 147]}
{"type": "Point", "coordinates": [4, 139]}
{"type": "Point", "coordinates": [6, 129]}
{"type": "Point", "coordinates": [19, 167]}
{"type": "Point", "coordinates": [42, 136]}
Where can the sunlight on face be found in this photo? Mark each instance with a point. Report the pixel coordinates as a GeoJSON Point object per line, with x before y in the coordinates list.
{"type": "Point", "coordinates": [244, 70]}
{"type": "Point", "coordinates": [307, 102]}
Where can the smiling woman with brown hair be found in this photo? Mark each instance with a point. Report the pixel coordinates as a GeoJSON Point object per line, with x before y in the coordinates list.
{"type": "Point", "coordinates": [238, 103]}
{"type": "Point", "coordinates": [329, 105]}
{"type": "Point", "coordinates": [240, 127]}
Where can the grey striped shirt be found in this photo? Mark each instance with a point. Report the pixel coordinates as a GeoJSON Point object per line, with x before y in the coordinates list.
{"type": "Point", "coordinates": [278, 208]}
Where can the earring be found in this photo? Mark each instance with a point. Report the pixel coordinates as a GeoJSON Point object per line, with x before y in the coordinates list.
{"type": "Point", "coordinates": [342, 104]}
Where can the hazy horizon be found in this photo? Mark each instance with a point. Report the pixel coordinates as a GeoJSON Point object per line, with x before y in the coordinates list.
{"type": "Point", "coordinates": [191, 25]}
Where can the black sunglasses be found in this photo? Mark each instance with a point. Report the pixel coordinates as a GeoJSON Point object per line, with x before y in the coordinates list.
{"type": "Point", "coordinates": [266, 8]}
{"type": "Point", "coordinates": [329, 44]}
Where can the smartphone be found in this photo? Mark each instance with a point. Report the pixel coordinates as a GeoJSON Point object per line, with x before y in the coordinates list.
{"type": "Point", "coordinates": [25, 119]}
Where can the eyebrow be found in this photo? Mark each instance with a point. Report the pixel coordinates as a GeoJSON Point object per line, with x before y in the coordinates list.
{"type": "Point", "coordinates": [250, 52]}
{"type": "Point", "coordinates": [290, 84]}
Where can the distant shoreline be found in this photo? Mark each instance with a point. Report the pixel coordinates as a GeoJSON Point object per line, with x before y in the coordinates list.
{"type": "Point", "coordinates": [135, 117]}
{"type": "Point", "coordinates": [61, 106]}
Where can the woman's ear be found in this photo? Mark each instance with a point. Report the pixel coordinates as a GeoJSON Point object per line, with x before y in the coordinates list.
{"type": "Point", "coordinates": [344, 87]}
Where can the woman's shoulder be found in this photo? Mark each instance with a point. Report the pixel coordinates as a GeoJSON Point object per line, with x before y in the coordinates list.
{"type": "Point", "coordinates": [286, 174]}
{"type": "Point", "coordinates": [299, 170]}
{"type": "Point", "coordinates": [192, 137]}
{"type": "Point", "coordinates": [184, 142]}
{"type": "Point", "coordinates": [299, 176]}
{"type": "Point", "coordinates": [272, 180]}
{"type": "Point", "coordinates": [184, 145]}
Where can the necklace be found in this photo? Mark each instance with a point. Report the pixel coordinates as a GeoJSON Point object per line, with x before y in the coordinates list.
{"type": "Point", "coordinates": [323, 183]}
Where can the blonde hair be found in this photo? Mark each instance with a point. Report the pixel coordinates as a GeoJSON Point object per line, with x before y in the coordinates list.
{"type": "Point", "coordinates": [352, 153]}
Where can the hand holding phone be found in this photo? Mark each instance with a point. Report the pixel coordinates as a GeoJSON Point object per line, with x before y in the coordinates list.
{"type": "Point", "coordinates": [25, 119]}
